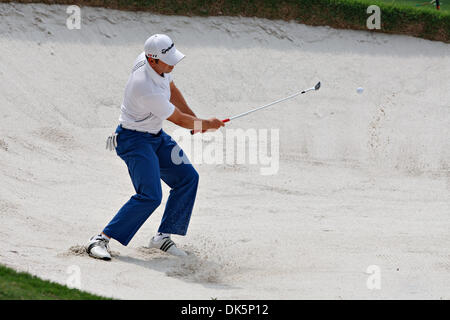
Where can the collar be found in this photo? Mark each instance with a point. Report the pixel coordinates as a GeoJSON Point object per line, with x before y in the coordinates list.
{"type": "Point", "coordinates": [153, 74]}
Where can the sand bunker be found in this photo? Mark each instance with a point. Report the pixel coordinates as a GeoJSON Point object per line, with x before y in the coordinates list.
{"type": "Point", "coordinates": [363, 179]}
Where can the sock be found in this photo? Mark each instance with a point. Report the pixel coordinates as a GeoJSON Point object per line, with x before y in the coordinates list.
{"type": "Point", "coordinates": [104, 236]}
{"type": "Point", "coordinates": [160, 236]}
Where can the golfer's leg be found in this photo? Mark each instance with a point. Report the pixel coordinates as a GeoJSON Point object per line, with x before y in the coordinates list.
{"type": "Point", "coordinates": [143, 167]}
{"type": "Point", "coordinates": [183, 181]}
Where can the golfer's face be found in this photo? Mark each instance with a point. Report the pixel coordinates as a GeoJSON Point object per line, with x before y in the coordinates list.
{"type": "Point", "coordinates": [165, 67]}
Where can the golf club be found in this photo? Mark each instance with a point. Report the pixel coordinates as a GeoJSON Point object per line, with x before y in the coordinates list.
{"type": "Point", "coordinates": [315, 88]}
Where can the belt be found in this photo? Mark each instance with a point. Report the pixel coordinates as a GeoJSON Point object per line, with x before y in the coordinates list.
{"type": "Point", "coordinates": [153, 134]}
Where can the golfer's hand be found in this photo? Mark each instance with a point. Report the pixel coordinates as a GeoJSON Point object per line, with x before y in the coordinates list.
{"type": "Point", "coordinates": [213, 124]}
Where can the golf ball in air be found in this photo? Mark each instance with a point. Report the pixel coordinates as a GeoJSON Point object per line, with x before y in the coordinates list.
{"type": "Point", "coordinates": [360, 90]}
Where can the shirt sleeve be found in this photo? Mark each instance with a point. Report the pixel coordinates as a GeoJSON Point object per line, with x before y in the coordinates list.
{"type": "Point", "coordinates": [158, 105]}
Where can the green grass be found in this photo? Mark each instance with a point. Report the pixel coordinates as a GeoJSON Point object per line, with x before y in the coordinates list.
{"type": "Point", "coordinates": [23, 286]}
{"type": "Point", "coordinates": [445, 5]}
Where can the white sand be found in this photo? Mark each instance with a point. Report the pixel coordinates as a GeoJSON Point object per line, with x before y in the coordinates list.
{"type": "Point", "coordinates": [363, 179]}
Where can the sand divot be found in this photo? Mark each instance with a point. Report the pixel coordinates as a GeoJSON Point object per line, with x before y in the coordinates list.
{"type": "Point", "coordinates": [153, 253]}
{"type": "Point", "coordinates": [80, 250]}
{"type": "Point", "coordinates": [196, 267]}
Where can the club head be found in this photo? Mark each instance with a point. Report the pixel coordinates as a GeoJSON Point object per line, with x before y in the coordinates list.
{"type": "Point", "coordinates": [317, 86]}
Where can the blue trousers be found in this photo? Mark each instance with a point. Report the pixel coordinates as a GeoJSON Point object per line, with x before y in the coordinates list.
{"type": "Point", "coordinates": [149, 159]}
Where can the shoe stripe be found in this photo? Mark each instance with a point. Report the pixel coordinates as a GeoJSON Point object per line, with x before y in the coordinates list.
{"type": "Point", "coordinates": [169, 246]}
{"type": "Point", "coordinates": [166, 245]}
{"type": "Point", "coordinates": [163, 246]}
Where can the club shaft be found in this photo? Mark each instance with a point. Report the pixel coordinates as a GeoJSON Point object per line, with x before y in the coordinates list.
{"type": "Point", "coordinates": [269, 104]}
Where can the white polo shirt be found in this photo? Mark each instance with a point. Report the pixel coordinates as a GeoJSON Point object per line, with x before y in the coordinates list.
{"type": "Point", "coordinates": [146, 101]}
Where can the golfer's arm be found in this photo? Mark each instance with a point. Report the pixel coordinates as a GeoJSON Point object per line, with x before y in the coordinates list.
{"type": "Point", "coordinates": [177, 100]}
{"type": "Point", "coordinates": [187, 121]}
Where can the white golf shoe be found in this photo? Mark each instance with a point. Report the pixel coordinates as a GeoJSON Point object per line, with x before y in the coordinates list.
{"type": "Point", "coordinates": [167, 245]}
{"type": "Point", "coordinates": [98, 247]}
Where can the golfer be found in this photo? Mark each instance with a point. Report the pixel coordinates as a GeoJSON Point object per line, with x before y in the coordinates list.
{"type": "Point", "coordinates": [151, 97]}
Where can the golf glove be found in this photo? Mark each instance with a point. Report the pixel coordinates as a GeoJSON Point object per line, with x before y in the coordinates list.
{"type": "Point", "coordinates": [111, 142]}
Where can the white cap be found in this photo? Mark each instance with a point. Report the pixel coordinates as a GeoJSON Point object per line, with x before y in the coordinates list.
{"type": "Point", "coordinates": [160, 46]}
